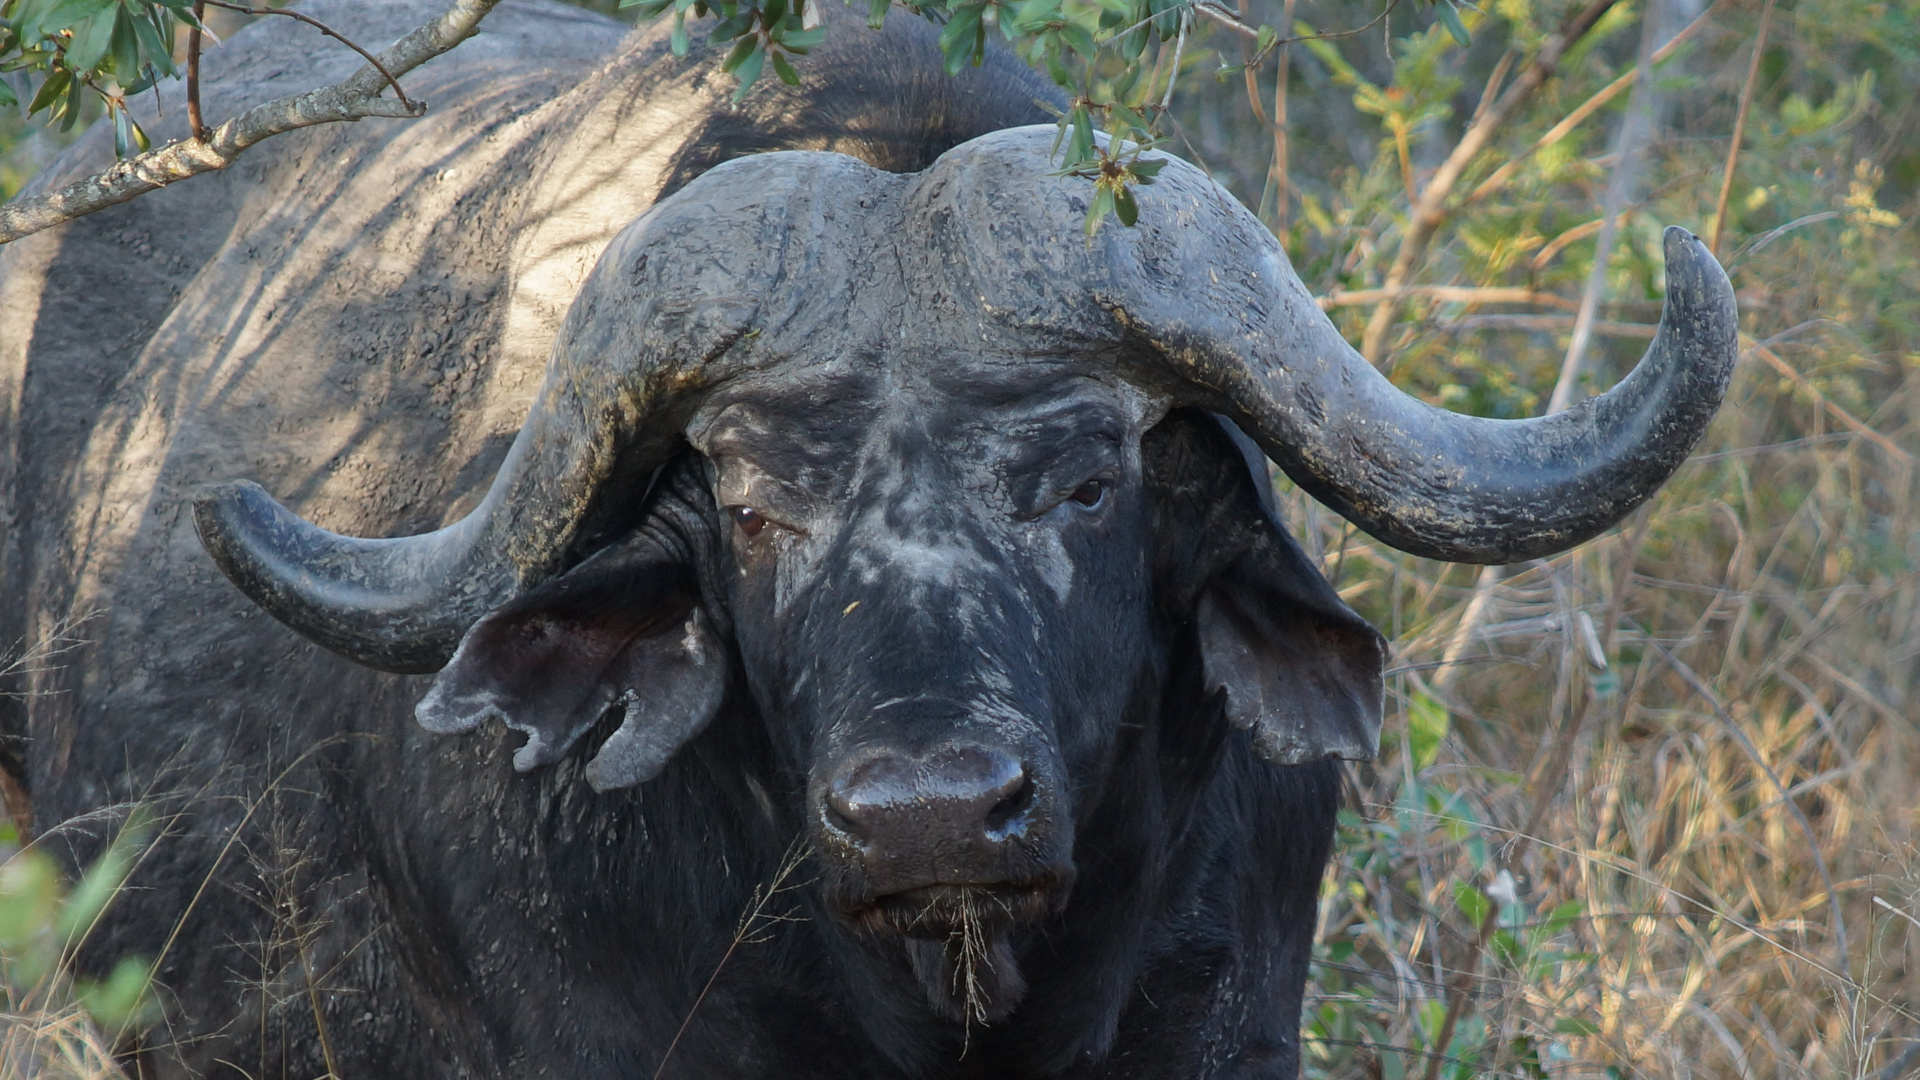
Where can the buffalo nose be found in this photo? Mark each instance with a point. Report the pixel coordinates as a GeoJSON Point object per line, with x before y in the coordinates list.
{"type": "Point", "coordinates": [956, 796]}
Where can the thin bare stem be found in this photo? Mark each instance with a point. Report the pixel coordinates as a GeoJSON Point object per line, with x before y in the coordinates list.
{"type": "Point", "coordinates": [1833, 409]}
{"type": "Point", "coordinates": [323, 28]}
{"type": "Point", "coordinates": [1281, 182]}
{"type": "Point", "coordinates": [196, 123]}
{"type": "Point", "coordinates": [752, 922]}
{"type": "Point", "coordinates": [1544, 789]}
{"type": "Point", "coordinates": [1212, 9]}
{"type": "Point", "coordinates": [1179, 46]}
{"type": "Point", "coordinates": [355, 99]}
{"type": "Point", "coordinates": [1740, 128]}
{"type": "Point", "coordinates": [1632, 135]}
{"type": "Point", "coordinates": [1248, 72]}
{"type": "Point", "coordinates": [1449, 294]}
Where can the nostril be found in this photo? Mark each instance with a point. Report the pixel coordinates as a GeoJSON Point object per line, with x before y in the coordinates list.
{"type": "Point", "coordinates": [839, 815]}
{"type": "Point", "coordinates": [1005, 813]}
{"type": "Point", "coordinates": [953, 795]}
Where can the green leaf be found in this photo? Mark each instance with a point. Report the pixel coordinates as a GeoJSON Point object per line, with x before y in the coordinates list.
{"type": "Point", "coordinates": [1264, 38]}
{"type": "Point", "coordinates": [156, 42]}
{"type": "Point", "coordinates": [1564, 915]}
{"type": "Point", "coordinates": [50, 91]}
{"type": "Point", "coordinates": [773, 12]}
{"type": "Point", "coordinates": [1080, 40]}
{"type": "Point", "coordinates": [1079, 138]}
{"type": "Point", "coordinates": [8, 100]}
{"type": "Point", "coordinates": [743, 48]}
{"type": "Point", "coordinates": [785, 70]}
{"type": "Point", "coordinates": [121, 1002]}
{"type": "Point", "coordinates": [91, 40]}
{"type": "Point", "coordinates": [958, 40]}
{"type": "Point", "coordinates": [103, 879]}
{"type": "Point", "coordinates": [125, 47]}
{"type": "Point", "coordinates": [1147, 168]}
{"type": "Point", "coordinates": [679, 40]}
{"type": "Point", "coordinates": [877, 13]}
{"type": "Point", "coordinates": [1056, 70]}
{"type": "Point", "coordinates": [800, 40]}
{"type": "Point", "coordinates": [1124, 207]}
{"type": "Point", "coordinates": [1450, 18]}
{"type": "Point", "coordinates": [1573, 1025]}
{"type": "Point", "coordinates": [1102, 206]}
{"type": "Point", "coordinates": [122, 138]}
{"type": "Point", "coordinates": [60, 16]}
{"type": "Point", "coordinates": [29, 899]}
{"type": "Point", "coordinates": [729, 28]}
{"type": "Point", "coordinates": [1506, 946]}
{"type": "Point", "coordinates": [748, 70]}
{"type": "Point", "coordinates": [1128, 125]}
{"type": "Point", "coordinates": [1472, 903]}
{"type": "Point", "coordinates": [1427, 723]}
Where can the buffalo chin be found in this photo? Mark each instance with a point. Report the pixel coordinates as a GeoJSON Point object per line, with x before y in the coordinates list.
{"type": "Point", "coordinates": [969, 977]}
{"type": "Point", "coordinates": [957, 940]}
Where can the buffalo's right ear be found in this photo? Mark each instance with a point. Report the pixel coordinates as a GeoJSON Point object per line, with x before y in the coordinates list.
{"type": "Point", "coordinates": [1298, 668]}
{"type": "Point", "coordinates": [624, 627]}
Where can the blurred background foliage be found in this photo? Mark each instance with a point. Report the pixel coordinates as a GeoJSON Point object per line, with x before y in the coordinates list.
{"type": "Point", "coordinates": [1647, 808]}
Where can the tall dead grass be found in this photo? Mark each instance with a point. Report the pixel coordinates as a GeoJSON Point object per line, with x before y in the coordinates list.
{"type": "Point", "coordinates": [1711, 710]}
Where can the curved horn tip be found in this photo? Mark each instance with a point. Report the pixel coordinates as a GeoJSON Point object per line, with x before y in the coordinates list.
{"type": "Point", "coordinates": [268, 552]}
{"type": "Point", "coordinates": [228, 517]}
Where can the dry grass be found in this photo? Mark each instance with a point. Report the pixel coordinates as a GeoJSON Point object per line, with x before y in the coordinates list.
{"type": "Point", "coordinates": [1730, 842]}
{"type": "Point", "coordinates": [53, 1045]}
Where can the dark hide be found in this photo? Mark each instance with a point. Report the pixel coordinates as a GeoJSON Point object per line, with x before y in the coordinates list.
{"type": "Point", "coordinates": [1180, 948]}
{"type": "Point", "coordinates": [601, 890]}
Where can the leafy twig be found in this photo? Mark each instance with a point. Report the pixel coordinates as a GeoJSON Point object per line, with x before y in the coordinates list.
{"type": "Point", "coordinates": [355, 99]}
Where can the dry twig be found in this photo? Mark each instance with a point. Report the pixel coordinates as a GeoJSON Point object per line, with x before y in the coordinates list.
{"type": "Point", "coordinates": [1586, 108]}
{"type": "Point", "coordinates": [1430, 210]}
{"type": "Point", "coordinates": [1740, 128]}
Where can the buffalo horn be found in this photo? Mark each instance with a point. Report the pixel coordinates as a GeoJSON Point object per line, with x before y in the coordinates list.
{"type": "Point", "coordinates": [1201, 289]}
{"type": "Point", "coordinates": [656, 322]}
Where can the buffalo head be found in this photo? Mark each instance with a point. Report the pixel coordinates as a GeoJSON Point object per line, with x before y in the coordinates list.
{"type": "Point", "coordinates": [938, 484]}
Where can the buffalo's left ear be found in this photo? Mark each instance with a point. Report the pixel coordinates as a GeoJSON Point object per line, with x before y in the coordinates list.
{"type": "Point", "coordinates": [1300, 669]}
{"type": "Point", "coordinates": [624, 627]}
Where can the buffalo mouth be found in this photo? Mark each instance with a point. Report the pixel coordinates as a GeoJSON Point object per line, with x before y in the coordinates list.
{"type": "Point", "coordinates": [958, 941]}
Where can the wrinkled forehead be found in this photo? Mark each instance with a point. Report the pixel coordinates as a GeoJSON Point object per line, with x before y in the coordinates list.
{"type": "Point", "coordinates": [832, 410]}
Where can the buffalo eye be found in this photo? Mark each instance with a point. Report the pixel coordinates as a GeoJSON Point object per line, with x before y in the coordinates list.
{"type": "Point", "coordinates": [748, 519]}
{"type": "Point", "coordinates": [1090, 494]}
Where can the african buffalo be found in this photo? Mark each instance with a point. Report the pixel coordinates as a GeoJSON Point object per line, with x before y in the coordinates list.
{"type": "Point", "coordinates": [900, 666]}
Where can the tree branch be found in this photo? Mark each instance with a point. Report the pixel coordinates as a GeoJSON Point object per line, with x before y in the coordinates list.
{"type": "Point", "coordinates": [196, 124]}
{"type": "Point", "coordinates": [1587, 108]}
{"type": "Point", "coordinates": [354, 99]}
{"type": "Point", "coordinates": [1739, 129]}
{"type": "Point", "coordinates": [1430, 210]}
{"type": "Point", "coordinates": [325, 29]}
